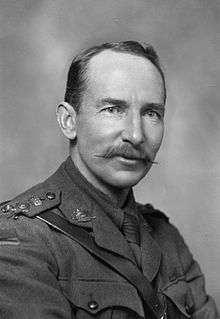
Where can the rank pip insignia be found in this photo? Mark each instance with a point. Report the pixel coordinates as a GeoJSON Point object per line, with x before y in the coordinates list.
{"type": "Point", "coordinates": [79, 216]}
{"type": "Point", "coordinates": [36, 201]}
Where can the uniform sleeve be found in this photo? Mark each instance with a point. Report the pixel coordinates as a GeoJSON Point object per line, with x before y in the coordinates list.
{"type": "Point", "coordinates": [29, 287]}
{"type": "Point", "coordinates": [203, 306]}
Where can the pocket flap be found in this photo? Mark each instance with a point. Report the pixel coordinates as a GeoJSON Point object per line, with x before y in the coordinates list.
{"type": "Point", "coordinates": [95, 296]}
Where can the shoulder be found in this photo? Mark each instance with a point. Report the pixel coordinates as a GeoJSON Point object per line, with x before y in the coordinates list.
{"type": "Point", "coordinates": [32, 202]}
{"type": "Point", "coordinates": [18, 214]}
{"type": "Point", "coordinates": [19, 228]}
{"type": "Point", "coordinates": [166, 234]}
{"type": "Point", "coordinates": [151, 214]}
{"type": "Point", "coordinates": [159, 222]}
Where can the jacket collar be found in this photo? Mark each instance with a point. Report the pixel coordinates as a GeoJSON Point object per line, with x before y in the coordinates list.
{"type": "Point", "coordinates": [83, 205]}
{"type": "Point", "coordinates": [78, 196]}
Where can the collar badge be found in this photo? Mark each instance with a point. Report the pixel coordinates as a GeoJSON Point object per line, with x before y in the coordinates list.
{"type": "Point", "coordinates": [79, 216]}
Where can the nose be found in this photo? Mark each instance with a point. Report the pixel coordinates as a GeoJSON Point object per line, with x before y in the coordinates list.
{"type": "Point", "coordinates": [133, 129]}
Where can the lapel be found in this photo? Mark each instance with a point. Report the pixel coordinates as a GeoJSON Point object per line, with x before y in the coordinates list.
{"type": "Point", "coordinates": [109, 237]}
{"type": "Point", "coordinates": [82, 210]}
{"type": "Point", "coordinates": [75, 200]}
{"type": "Point", "coordinates": [150, 250]}
{"type": "Point", "coordinates": [105, 232]}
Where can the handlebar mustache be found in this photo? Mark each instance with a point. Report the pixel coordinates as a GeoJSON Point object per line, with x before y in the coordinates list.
{"type": "Point", "coordinates": [128, 152]}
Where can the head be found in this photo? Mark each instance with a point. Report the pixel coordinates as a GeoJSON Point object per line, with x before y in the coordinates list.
{"type": "Point", "coordinates": [113, 113]}
{"type": "Point", "coordinates": [77, 75]}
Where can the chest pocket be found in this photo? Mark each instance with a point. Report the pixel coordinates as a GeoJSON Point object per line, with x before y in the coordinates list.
{"type": "Point", "coordinates": [103, 299]}
{"type": "Point", "coordinates": [179, 299]}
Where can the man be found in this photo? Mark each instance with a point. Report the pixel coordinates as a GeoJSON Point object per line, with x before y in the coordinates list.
{"type": "Point", "coordinates": [76, 263]}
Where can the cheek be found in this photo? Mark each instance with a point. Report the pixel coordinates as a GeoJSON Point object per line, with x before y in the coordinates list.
{"type": "Point", "coordinates": [92, 134]}
{"type": "Point", "coordinates": [159, 138]}
{"type": "Point", "coordinates": [154, 136]}
{"type": "Point", "coordinates": [99, 129]}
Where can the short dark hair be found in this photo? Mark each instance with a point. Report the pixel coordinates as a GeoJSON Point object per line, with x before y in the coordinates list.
{"type": "Point", "coordinates": [76, 79]}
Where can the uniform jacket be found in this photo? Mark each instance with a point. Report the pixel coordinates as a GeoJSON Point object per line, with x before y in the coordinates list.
{"type": "Point", "coordinates": [46, 275]}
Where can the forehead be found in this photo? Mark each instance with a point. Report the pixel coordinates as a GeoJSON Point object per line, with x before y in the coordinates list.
{"type": "Point", "coordinates": [116, 72]}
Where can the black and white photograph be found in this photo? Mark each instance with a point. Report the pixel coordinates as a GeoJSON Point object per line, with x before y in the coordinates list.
{"type": "Point", "coordinates": [109, 159]}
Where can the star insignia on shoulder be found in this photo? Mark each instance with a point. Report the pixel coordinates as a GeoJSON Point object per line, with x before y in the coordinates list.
{"type": "Point", "coordinates": [30, 205]}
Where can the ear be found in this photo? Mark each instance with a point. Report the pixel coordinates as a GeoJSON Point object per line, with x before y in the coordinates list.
{"type": "Point", "coordinates": [66, 117]}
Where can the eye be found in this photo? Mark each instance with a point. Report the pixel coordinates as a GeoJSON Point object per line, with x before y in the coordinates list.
{"type": "Point", "coordinates": [113, 110]}
{"type": "Point", "coordinates": [155, 115]}
{"type": "Point", "coordinates": [152, 114]}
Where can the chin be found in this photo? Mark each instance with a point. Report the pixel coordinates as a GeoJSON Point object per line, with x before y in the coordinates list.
{"type": "Point", "coordinates": [126, 179]}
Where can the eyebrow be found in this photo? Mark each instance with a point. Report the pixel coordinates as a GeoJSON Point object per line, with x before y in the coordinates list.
{"type": "Point", "coordinates": [156, 106]}
{"type": "Point", "coordinates": [122, 103]}
{"type": "Point", "coordinates": [109, 100]}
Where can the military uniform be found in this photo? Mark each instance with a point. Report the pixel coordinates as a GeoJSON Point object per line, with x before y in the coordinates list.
{"type": "Point", "coordinates": [45, 274]}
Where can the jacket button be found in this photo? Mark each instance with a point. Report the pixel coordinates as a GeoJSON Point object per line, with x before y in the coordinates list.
{"type": "Point", "coordinates": [93, 305]}
{"type": "Point", "coordinates": [50, 195]}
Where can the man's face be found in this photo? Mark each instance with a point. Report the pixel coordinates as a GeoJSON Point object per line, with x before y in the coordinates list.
{"type": "Point", "coordinates": [119, 127]}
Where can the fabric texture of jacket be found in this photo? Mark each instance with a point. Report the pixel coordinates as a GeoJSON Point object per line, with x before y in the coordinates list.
{"type": "Point", "coordinates": [46, 275]}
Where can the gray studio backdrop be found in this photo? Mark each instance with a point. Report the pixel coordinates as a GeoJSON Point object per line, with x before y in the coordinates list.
{"type": "Point", "coordinates": [37, 40]}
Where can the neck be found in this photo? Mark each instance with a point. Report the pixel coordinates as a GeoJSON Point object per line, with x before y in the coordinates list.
{"type": "Point", "coordinates": [118, 196]}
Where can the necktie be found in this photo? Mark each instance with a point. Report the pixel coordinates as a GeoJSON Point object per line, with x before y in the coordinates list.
{"type": "Point", "coordinates": [131, 231]}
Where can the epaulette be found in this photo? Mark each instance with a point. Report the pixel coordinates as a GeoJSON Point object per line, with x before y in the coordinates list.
{"type": "Point", "coordinates": [31, 203]}
{"type": "Point", "coordinates": [148, 211]}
